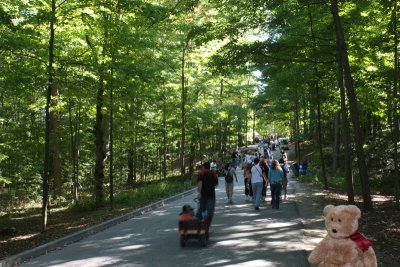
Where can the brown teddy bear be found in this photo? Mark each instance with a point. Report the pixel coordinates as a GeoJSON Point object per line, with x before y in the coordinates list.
{"type": "Point", "coordinates": [343, 245]}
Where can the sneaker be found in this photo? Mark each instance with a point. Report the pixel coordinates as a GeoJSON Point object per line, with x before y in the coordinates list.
{"type": "Point", "coordinates": [257, 208]}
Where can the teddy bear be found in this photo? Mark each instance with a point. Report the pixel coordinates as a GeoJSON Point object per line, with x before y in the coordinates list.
{"type": "Point", "coordinates": [343, 245]}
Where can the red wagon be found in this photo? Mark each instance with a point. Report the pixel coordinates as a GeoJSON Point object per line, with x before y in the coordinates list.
{"type": "Point", "coordinates": [194, 229]}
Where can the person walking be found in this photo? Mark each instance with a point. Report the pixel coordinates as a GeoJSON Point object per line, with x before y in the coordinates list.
{"type": "Point", "coordinates": [206, 183]}
{"type": "Point", "coordinates": [257, 182]}
{"type": "Point", "coordinates": [282, 163]}
{"type": "Point", "coordinates": [234, 158]}
{"type": "Point", "coordinates": [265, 169]}
{"type": "Point", "coordinates": [230, 174]}
{"type": "Point", "coordinates": [283, 156]}
{"type": "Point", "coordinates": [275, 176]}
{"type": "Point", "coordinates": [247, 181]}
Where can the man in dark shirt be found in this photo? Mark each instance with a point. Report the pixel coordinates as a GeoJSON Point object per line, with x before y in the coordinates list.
{"type": "Point", "coordinates": [234, 157]}
{"type": "Point", "coordinates": [207, 180]}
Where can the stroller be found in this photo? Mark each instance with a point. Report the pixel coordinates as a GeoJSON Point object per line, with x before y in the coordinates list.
{"type": "Point", "coordinates": [192, 227]}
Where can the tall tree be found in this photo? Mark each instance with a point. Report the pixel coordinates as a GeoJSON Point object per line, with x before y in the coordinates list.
{"type": "Point", "coordinates": [47, 168]}
{"type": "Point", "coordinates": [395, 101]}
{"type": "Point", "coordinates": [352, 97]}
{"type": "Point", "coordinates": [318, 99]}
{"type": "Point", "coordinates": [185, 45]}
{"type": "Point", "coordinates": [345, 134]}
{"type": "Point", "coordinates": [99, 130]}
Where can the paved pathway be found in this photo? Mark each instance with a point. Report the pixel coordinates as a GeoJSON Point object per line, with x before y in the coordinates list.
{"type": "Point", "coordinates": [240, 236]}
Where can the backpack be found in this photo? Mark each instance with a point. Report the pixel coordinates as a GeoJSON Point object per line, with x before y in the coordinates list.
{"type": "Point", "coordinates": [228, 177]}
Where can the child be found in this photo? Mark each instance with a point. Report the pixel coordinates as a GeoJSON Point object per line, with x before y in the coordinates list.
{"type": "Point", "coordinates": [187, 214]}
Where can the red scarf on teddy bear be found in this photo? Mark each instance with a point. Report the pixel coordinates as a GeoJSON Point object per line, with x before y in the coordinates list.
{"type": "Point", "coordinates": [360, 241]}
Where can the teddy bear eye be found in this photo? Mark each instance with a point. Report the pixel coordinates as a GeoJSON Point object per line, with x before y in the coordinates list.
{"type": "Point", "coordinates": [332, 219]}
{"type": "Point", "coordinates": [340, 220]}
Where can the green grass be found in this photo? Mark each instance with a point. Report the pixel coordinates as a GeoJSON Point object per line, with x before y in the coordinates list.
{"type": "Point", "coordinates": [140, 195]}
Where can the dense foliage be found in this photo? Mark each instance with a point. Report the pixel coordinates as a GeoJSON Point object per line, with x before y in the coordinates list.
{"type": "Point", "coordinates": [101, 95]}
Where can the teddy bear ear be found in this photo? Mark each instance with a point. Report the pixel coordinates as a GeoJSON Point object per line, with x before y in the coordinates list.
{"type": "Point", "coordinates": [327, 209]}
{"type": "Point", "coordinates": [354, 210]}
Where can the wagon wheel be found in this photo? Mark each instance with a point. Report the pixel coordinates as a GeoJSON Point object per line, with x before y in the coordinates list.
{"type": "Point", "coordinates": [183, 241]}
{"type": "Point", "coordinates": [203, 240]}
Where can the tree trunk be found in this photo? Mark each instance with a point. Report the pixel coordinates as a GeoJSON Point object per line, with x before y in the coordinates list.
{"type": "Point", "coordinates": [336, 142]}
{"type": "Point", "coordinates": [246, 121]}
{"type": "Point", "coordinates": [100, 145]}
{"type": "Point", "coordinates": [46, 174]}
{"type": "Point", "coordinates": [254, 126]}
{"type": "Point", "coordinates": [297, 127]}
{"type": "Point", "coordinates": [395, 108]}
{"type": "Point", "coordinates": [306, 125]}
{"type": "Point", "coordinates": [164, 134]}
{"type": "Point", "coordinates": [318, 99]}
{"type": "Point", "coordinates": [352, 97]}
{"type": "Point", "coordinates": [220, 131]}
{"type": "Point", "coordinates": [345, 135]}
{"type": "Point", "coordinates": [320, 145]}
{"type": "Point", "coordinates": [240, 130]}
{"type": "Point", "coordinates": [192, 156]}
{"type": "Point", "coordinates": [135, 155]}
{"type": "Point", "coordinates": [101, 126]}
{"type": "Point", "coordinates": [201, 146]}
{"type": "Point", "coordinates": [111, 174]}
{"type": "Point", "coordinates": [73, 135]}
{"type": "Point", "coordinates": [130, 167]}
{"type": "Point", "coordinates": [160, 161]}
{"type": "Point", "coordinates": [183, 114]}
{"type": "Point", "coordinates": [77, 148]}
{"type": "Point", "coordinates": [368, 126]}
{"type": "Point", "coordinates": [55, 144]}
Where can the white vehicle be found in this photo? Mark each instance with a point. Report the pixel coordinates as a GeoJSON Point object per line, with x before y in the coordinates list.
{"type": "Point", "coordinates": [283, 143]}
{"type": "Point", "coordinates": [213, 165]}
{"type": "Point", "coordinates": [248, 159]}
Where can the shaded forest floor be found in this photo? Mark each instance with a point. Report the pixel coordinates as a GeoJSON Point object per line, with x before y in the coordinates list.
{"type": "Point", "coordinates": [61, 223]}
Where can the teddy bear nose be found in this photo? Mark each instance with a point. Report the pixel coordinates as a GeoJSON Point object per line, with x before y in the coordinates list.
{"type": "Point", "coordinates": [334, 231]}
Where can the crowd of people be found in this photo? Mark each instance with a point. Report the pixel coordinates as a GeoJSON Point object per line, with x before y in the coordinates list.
{"type": "Point", "coordinates": [261, 172]}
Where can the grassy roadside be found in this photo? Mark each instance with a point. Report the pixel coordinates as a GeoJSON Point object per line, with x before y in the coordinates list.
{"type": "Point", "coordinates": [67, 219]}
